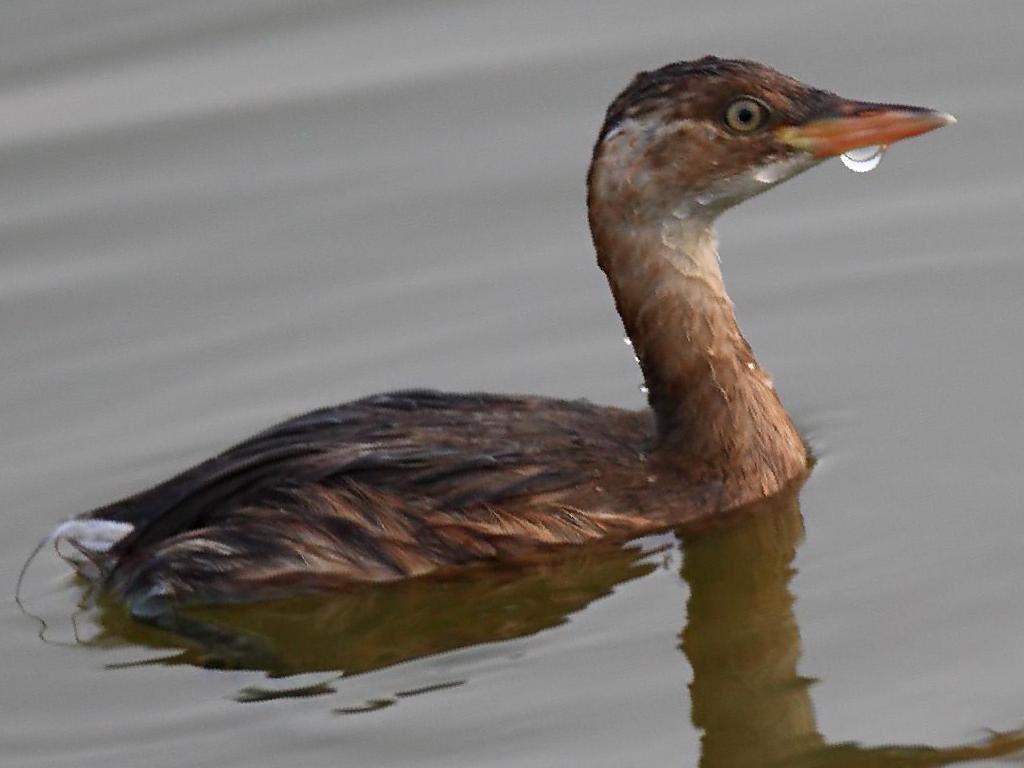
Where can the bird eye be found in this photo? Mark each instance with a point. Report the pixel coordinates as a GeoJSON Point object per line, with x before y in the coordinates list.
{"type": "Point", "coordinates": [745, 114]}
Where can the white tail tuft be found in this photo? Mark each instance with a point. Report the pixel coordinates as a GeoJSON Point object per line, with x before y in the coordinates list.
{"type": "Point", "coordinates": [92, 536]}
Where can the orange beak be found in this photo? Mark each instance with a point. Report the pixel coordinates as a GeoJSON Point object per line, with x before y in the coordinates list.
{"type": "Point", "coordinates": [857, 124]}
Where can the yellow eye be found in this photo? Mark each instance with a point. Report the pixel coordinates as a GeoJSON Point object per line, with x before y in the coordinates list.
{"type": "Point", "coordinates": [745, 114]}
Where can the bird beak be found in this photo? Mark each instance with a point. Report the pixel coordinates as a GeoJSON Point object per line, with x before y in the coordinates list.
{"type": "Point", "coordinates": [853, 124]}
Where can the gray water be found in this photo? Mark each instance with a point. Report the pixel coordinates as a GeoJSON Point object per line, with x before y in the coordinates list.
{"type": "Point", "coordinates": [216, 213]}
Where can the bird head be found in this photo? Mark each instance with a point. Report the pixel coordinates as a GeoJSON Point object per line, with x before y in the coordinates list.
{"type": "Point", "coordinates": [692, 139]}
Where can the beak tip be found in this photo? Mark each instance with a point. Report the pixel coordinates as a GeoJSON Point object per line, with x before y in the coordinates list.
{"type": "Point", "coordinates": [946, 118]}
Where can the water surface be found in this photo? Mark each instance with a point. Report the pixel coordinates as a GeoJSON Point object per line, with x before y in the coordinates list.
{"type": "Point", "coordinates": [216, 214]}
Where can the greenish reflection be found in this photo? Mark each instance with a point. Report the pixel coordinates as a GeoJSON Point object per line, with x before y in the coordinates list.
{"type": "Point", "coordinates": [740, 637]}
{"type": "Point", "coordinates": [743, 643]}
{"type": "Point", "coordinates": [374, 627]}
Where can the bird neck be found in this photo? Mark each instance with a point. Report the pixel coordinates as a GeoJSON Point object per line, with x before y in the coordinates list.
{"type": "Point", "coordinates": [717, 412]}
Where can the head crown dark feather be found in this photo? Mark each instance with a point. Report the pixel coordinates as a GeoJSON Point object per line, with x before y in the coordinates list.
{"type": "Point", "coordinates": [649, 88]}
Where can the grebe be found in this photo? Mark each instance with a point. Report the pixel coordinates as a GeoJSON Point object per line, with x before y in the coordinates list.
{"type": "Point", "coordinates": [407, 483]}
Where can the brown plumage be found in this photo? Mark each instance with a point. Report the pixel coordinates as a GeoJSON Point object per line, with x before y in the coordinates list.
{"type": "Point", "coordinates": [404, 484]}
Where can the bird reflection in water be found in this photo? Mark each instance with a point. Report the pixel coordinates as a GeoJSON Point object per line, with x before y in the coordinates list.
{"type": "Point", "coordinates": [740, 637]}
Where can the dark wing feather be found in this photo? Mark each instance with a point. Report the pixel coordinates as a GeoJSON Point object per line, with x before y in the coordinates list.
{"type": "Point", "coordinates": [376, 489]}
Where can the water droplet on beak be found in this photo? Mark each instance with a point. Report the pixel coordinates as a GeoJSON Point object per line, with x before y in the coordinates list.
{"type": "Point", "coordinates": [863, 159]}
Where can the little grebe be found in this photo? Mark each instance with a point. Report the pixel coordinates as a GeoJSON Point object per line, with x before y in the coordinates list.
{"type": "Point", "coordinates": [403, 484]}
